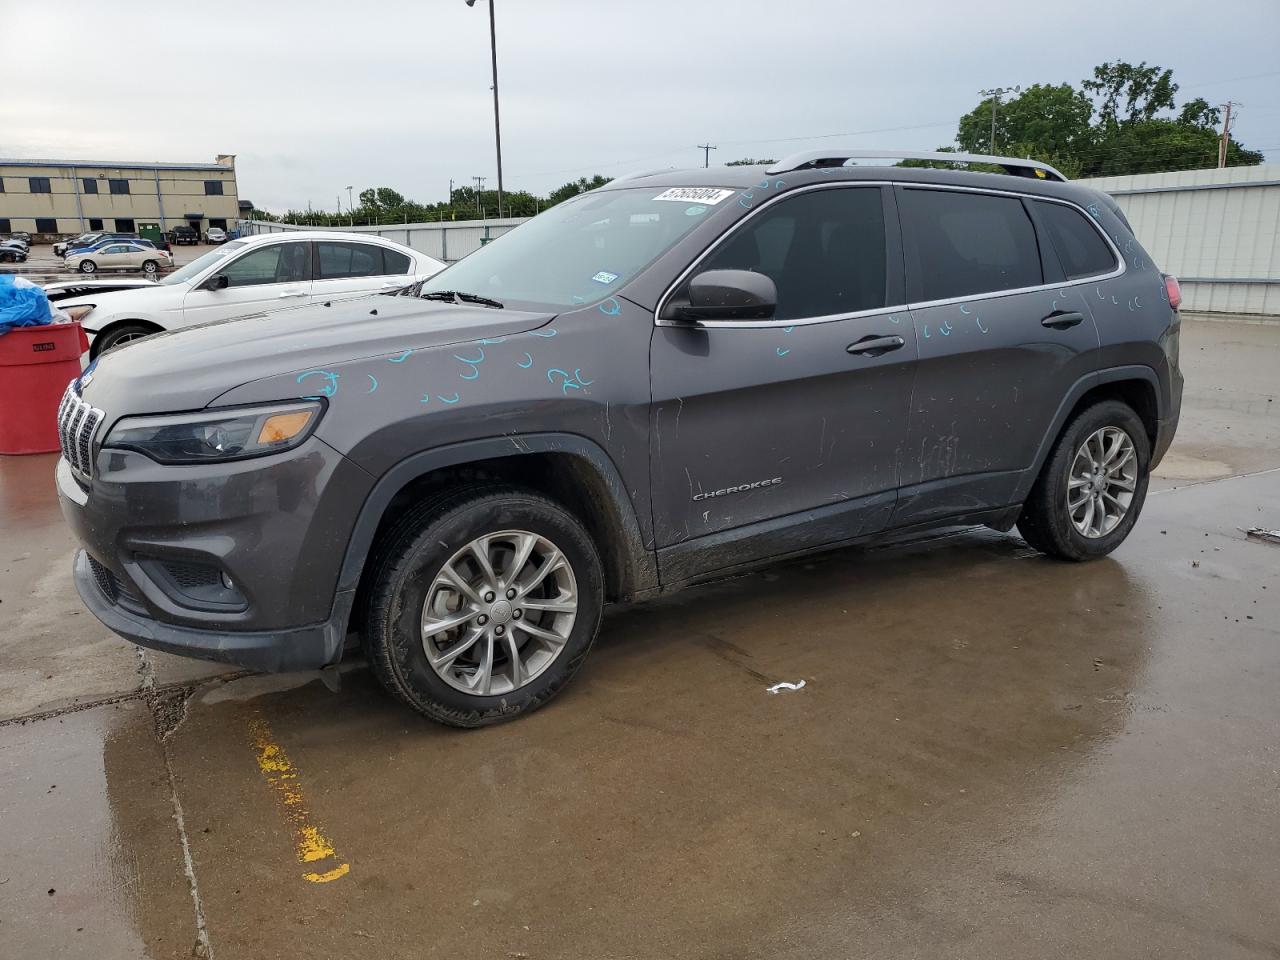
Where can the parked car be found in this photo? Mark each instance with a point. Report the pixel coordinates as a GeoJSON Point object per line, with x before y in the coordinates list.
{"type": "Point", "coordinates": [98, 239]}
{"type": "Point", "coordinates": [22, 236]}
{"type": "Point", "coordinates": [216, 235]}
{"type": "Point", "coordinates": [184, 235]}
{"type": "Point", "coordinates": [13, 251]}
{"type": "Point", "coordinates": [252, 275]}
{"type": "Point", "coordinates": [672, 378]}
{"type": "Point", "coordinates": [62, 246]}
{"type": "Point", "coordinates": [116, 255]}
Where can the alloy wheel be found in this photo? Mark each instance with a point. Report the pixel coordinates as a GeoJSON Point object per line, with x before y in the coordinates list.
{"type": "Point", "coordinates": [1102, 482]}
{"type": "Point", "coordinates": [499, 612]}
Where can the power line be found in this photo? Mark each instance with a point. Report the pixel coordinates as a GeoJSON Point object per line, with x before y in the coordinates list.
{"type": "Point", "coordinates": [706, 149]}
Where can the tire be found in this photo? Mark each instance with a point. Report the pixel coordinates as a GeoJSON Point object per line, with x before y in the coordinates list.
{"type": "Point", "coordinates": [150, 267]}
{"type": "Point", "coordinates": [408, 584]}
{"type": "Point", "coordinates": [1047, 521]}
{"type": "Point", "coordinates": [88, 266]}
{"type": "Point", "coordinates": [117, 336]}
{"type": "Point", "coordinates": [7, 258]}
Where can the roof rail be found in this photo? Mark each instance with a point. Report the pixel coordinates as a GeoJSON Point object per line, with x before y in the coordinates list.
{"type": "Point", "coordinates": [811, 159]}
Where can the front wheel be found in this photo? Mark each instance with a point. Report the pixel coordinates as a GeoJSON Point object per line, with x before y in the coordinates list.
{"type": "Point", "coordinates": [117, 336]}
{"type": "Point", "coordinates": [483, 605]}
{"type": "Point", "coordinates": [150, 267]}
{"type": "Point", "coordinates": [88, 266]}
{"type": "Point", "coordinates": [1092, 487]}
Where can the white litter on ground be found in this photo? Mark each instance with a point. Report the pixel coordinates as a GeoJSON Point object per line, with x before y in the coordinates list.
{"type": "Point", "coordinates": [784, 685]}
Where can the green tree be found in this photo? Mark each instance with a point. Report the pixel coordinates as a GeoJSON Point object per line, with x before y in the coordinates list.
{"type": "Point", "coordinates": [1145, 91]}
{"type": "Point", "coordinates": [748, 162]}
{"type": "Point", "coordinates": [575, 187]}
{"type": "Point", "coordinates": [1049, 119]}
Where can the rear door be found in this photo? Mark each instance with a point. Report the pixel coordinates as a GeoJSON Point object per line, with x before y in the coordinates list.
{"type": "Point", "coordinates": [261, 279]}
{"type": "Point", "coordinates": [780, 435]}
{"type": "Point", "coordinates": [1003, 338]}
{"type": "Point", "coordinates": [346, 269]}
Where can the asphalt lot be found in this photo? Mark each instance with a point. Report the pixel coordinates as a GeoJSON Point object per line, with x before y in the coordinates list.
{"type": "Point", "coordinates": [43, 267]}
{"type": "Point", "coordinates": [994, 755]}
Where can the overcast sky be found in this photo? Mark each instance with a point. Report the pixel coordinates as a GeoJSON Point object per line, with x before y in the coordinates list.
{"type": "Point", "coordinates": [312, 96]}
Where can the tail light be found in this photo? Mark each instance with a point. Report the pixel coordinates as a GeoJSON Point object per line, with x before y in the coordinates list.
{"type": "Point", "coordinates": [1174, 290]}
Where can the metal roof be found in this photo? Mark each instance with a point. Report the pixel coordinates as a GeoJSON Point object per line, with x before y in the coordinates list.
{"type": "Point", "coordinates": [112, 164]}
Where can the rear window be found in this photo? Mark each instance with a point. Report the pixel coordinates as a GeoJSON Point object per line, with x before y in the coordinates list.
{"type": "Point", "coordinates": [1080, 248]}
{"type": "Point", "coordinates": [965, 244]}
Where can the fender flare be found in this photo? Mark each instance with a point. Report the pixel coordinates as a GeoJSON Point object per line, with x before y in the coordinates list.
{"type": "Point", "coordinates": [1079, 389]}
{"type": "Point", "coordinates": [639, 566]}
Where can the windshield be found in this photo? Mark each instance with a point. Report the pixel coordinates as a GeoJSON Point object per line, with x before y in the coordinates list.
{"type": "Point", "coordinates": [200, 264]}
{"type": "Point", "coordinates": [582, 250]}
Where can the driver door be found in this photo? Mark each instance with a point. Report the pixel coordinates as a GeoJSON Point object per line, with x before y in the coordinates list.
{"type": "Point", "coordinates": [262, 279]}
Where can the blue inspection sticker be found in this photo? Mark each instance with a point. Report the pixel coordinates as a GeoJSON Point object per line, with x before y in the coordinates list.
{"type": "Point", "coordinates": [605, 277]}
{"type": "Point", "coordinates": [694, 211]}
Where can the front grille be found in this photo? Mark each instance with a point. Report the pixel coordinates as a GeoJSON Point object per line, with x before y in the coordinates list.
{"type": "Point", "coordinates": [193, 575]}
{"type": "Point", "coordinates": [77, 424]}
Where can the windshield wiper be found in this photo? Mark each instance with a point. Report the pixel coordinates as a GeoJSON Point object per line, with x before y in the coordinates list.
{"type": "Point", "coordinates": [456, 296]}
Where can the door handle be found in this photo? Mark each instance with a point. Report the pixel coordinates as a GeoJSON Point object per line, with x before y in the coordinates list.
{"type": "Point", "coordinates": [1062, 319]}
{"type": "Point", "coordinates": [874, 345]}
{"type": "Point", "coordinates": [291, 293]}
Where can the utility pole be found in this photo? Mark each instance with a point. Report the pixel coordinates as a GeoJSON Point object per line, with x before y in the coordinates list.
{"type": "Point", "coordinates": [479, 186]}
{"type": "Point", "coordinates": [995, 94]}
{"type": "Point", "coordinates": [451, 191]}
{"type": "Point", "coordinates": [497, 126]}
{"type": "Point", "coordinates": [706, 149]}
{"type": "Point", "coordinates": [1225, 139]}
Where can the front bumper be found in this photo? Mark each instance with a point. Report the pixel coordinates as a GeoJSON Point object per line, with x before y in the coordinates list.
{"type": "Point", "coordinates": [271, 651]}
{"type": "Point", "coordinates": [236, 562]}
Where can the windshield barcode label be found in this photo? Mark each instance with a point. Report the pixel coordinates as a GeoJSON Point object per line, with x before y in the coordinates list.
{"type": "Point", "coordinates": [695, 194]}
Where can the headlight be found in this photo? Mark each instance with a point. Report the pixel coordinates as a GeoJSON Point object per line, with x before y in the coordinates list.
{"type": "Point", "coordinates": [79, 311]}
{"type": "Point", "coordinates": [232, 434]}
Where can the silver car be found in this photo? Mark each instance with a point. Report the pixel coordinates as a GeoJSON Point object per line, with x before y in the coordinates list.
{"type": "Point", "coordinates": [119, 256]}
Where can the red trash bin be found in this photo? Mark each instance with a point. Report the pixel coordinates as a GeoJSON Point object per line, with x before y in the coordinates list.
{"type": "Point", "coordinates": [36, 364]}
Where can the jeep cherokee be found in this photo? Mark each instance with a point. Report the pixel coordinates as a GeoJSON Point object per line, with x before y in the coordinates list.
{"type": "Point", "coordinates": [676, 376]}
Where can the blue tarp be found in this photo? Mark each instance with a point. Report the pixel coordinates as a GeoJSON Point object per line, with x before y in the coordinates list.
{"type": "Point", "coordinates": [22, 304]}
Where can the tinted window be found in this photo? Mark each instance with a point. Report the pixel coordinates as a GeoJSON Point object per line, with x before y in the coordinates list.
{"type": "Point", "coordinates": [39, 184]}
{"type": "Point", "coordinates": [969, 243]}
{"type": "Point", "coordinates": [95, 224]}
{"type": "Point", "coordinates": [824, 250]}
{"type": "Point", "coordinates": [4, 225]}
{"type": "Point", "coordinates": [45, 225]}
{"type": "Point", "coordinates": [1082, 251]}
{"type": "Point", "coordinates": [393, 262]}
{"type": "Point", "coordinates": [124, 225]}
{"type": "Point", "coordinates": [213, 188]}
{"type": "Point", "coordinates": [119, 186]}
{"type": "Point", "coordinates": [341, 260]}
{"type": "Point", "coordinates": [89, 184]}
{"type": "Point", "coordinates": [277, 263]}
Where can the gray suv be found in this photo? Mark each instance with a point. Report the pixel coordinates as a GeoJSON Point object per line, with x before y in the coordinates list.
{"type": "Point", "coordinates": [672, 378]}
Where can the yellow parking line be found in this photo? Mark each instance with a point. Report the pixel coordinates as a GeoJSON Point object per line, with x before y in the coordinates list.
{"type": "Point", "coordinates": [313, 846]}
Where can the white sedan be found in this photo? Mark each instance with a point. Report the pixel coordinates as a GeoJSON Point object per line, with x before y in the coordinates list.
{"type": "Point", "coordinates": [251, 275]}
{"type": "Point", "coordinates": [119, 256]}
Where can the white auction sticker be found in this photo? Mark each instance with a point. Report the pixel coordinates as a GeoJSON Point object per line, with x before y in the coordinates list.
{"type": "Point", "coordinates": [695, 194]}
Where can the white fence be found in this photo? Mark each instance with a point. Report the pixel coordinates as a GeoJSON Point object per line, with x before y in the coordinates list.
{"type": "Point", "coordinates": [1217, 231]}
{"type": "Point", "coordinates": [447, 240]}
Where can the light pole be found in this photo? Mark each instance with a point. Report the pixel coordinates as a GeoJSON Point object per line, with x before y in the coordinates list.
{"type": "Point", "coordinates": [351, 207]}
{"type": "Point", "coordinates": [497, 126]}
{"type": "Point", "coordinates": [995, 94]}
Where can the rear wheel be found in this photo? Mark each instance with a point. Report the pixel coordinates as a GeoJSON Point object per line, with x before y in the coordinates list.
{"type": "Point", "coordinates": [1092, 487]}
{"type": "Point", "coordinates": [88, 266]}
{"type": "Point", "coordinates": [483, 605]}
{"type": "Point", "coordinates": [150, 267]}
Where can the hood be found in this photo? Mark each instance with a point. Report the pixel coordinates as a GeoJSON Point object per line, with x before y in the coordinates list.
{"type": "Point", "coordinates": [66, 290]}
{"type": "Point", "coordinates": [187, 369]}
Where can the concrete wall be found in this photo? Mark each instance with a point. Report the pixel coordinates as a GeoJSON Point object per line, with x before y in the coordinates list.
{"type": "Point", "coordinates": [158, 193]}
{"type": "Point", "coordinates": [448, 240]}
{"type": "Point", "coordinates": [1217, 231]}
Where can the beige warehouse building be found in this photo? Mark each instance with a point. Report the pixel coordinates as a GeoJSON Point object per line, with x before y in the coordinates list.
{"type": "Point", "coordinates": [56, 198]}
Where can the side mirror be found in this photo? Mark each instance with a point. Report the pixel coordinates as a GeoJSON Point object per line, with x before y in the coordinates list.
{"type": "Point", "coordinates": [218, 281]}
{"type": "Point", "coordinates": [726, 295]}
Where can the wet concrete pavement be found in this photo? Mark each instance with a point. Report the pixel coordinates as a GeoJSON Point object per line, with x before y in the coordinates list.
{"type": "Point", "coordinates": [993, 755]}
